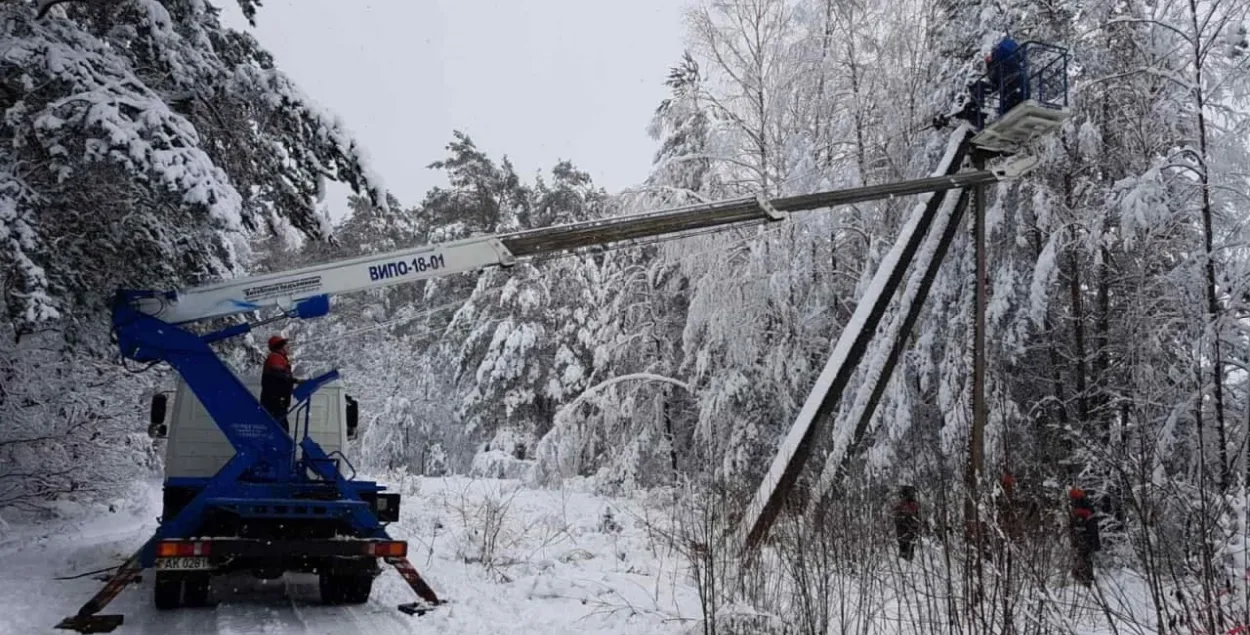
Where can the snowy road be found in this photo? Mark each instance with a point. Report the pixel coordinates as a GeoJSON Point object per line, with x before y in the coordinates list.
{"type": "Point", "coordinates": [510, 559]}
{"type": "Point", "coordinates": [553, 569]}
{"type": "Point", "coordinates": [245, 605]}
{"type": "Point", "coordinates": [282, 606]}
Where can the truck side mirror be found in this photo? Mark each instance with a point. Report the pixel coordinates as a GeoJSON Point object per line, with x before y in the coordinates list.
{"type": "Point", "coordinates": [353, 416]}
{"type": "Point", "coordinates": [156, 417]}
{"type": "Point", "coordinates": [158, 409]}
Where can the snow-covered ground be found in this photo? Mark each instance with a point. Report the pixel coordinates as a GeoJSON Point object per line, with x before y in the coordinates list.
{"type": "Point", "coordinates": [510, 560]}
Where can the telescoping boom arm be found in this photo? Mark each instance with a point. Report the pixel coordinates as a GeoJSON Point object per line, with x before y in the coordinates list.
{"type": "Point", "coordinates": [409, 265]}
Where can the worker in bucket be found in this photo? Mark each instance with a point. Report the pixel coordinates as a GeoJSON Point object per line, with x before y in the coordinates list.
{"type": "Point", "coordinates": [1006, 74]}
{"type": "Point", "coordinates": [277, 381]}
{"type": "Point", "coordinates": [1003, 70]}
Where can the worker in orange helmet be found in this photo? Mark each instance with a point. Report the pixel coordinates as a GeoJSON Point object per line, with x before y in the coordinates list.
{"type": "Point", "coordinates": [1083, 529]}
{"type": "Point", "coordinates": [277, 381]}
{"type": "Point", "coordinates": [1007, 512]}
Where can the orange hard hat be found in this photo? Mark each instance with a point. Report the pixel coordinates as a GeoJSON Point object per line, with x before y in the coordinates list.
{"type": "Point", "coordinates": [1076, 492]}
{"type": "Point", "coordinates": [276, 342]}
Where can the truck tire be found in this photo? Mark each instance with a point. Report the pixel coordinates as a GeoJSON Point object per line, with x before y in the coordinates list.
{"type": "Point", "coordinates": [195, 589]}
{"type": "Point", "coordinates": [167, 591]}
{"type": "Point", "coordinates": [345, 588]}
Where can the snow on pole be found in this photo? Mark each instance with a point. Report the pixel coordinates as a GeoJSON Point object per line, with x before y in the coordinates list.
{"type": "Point", "coordinates": [796, 448]}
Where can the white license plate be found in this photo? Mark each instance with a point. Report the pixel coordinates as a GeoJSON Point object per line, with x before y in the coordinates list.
{"type": "Point", "coordinates": [182, 563]}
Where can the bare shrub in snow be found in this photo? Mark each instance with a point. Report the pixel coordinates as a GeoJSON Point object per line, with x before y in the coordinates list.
{"type": "Point", "coordinates": [486, 537]}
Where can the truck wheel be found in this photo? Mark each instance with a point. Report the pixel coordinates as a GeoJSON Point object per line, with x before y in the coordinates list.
{"type": "Point", "coordinates": [357, 589]}
{"type": "Point", "coordinates": [352, 588]}
{"type": "Point", "coordinates": [167, 591]}
{"type": "Point", "coordinates": [195, 589]}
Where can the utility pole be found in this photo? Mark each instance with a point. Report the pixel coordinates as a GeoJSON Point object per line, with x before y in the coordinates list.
{"type": "Point", "coordinates": [976, 442]}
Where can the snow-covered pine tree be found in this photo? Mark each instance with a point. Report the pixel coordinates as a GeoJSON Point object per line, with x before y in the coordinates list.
{"type": "Point", "coordinates": [528, 345]}
{"type": "Point", "coordinates": [481, 198]}
{"type": "Point", "coordinates": [638, 315]}
{"type": "Point", "coordinates": [155, 106]}
{"type": "Point", "coordinates": [141, 145]}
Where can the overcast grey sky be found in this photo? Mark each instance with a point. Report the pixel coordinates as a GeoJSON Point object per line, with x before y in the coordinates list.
{"type": "Point", "coordinates": [537, 80]}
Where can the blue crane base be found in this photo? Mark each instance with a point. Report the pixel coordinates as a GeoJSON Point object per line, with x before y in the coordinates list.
{"type": "Point", "coordinates": [264, 466]}
{"type": "Point", "coordinates": [266, 478]}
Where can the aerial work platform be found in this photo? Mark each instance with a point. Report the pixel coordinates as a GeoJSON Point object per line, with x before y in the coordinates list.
{"type": "Point", "coordinates": [1025, 96]}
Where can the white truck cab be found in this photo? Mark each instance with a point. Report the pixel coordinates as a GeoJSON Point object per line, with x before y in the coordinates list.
{"type": "Point", "coordinates": [196, 447]}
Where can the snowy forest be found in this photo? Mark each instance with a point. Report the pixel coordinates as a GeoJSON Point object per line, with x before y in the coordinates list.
{"type": "Point", "coordinates": [147, 146]}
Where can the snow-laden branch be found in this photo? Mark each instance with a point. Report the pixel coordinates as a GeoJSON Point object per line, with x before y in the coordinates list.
{"type": "Point", "coordinates": [668, 189]}
{"type": "Point", "coordinates": [570, 407]}
{"type": "Point", "coordinates": [1152, 22]}
{"type": "Point", "coordinates": [559, 452]}
{"type": "Point", "coordinates": [45, 6]}
{"type": "Point", "coordinates": [1180, 81]}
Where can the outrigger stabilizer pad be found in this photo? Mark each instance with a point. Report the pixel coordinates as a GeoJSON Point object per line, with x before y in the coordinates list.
{"type": "Point", "coordinates": [416, 608]}
{"type": "Point", "coordinates": [418, 585]}
{"type": "Point", "coordinates": [86, 621]}
{"type": "Point", "coordinates": [91, 623]}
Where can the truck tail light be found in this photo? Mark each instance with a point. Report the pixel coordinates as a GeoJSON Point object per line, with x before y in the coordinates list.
{"type": "Point", "coordinates": [388, 549]}
{"type": "Point", "coordinates": [183, 548]}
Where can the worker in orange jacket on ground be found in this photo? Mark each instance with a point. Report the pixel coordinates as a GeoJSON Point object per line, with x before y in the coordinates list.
{"type": "Point", "coordinates": [1083, 529]}
{"type": "Point", "coordinates": [907, 522]}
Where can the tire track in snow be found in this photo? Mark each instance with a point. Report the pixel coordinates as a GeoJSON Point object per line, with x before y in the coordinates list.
{"type": "Point", "coordinates": [293, 606]}
{"type": "Point", "coordinates": [369, 618]}
{"type": "Point", "coordinates": [142, 616]}
{"type": "Point", "coordinates": [252, 607]}
{"type": "Point", "coordinates": [245, 619]}
{"type": "Point", "coordinates": [292, 588]}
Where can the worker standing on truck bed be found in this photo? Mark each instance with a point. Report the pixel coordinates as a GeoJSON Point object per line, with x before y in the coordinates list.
{"type": "Point", "coordinates": [277, 381]}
